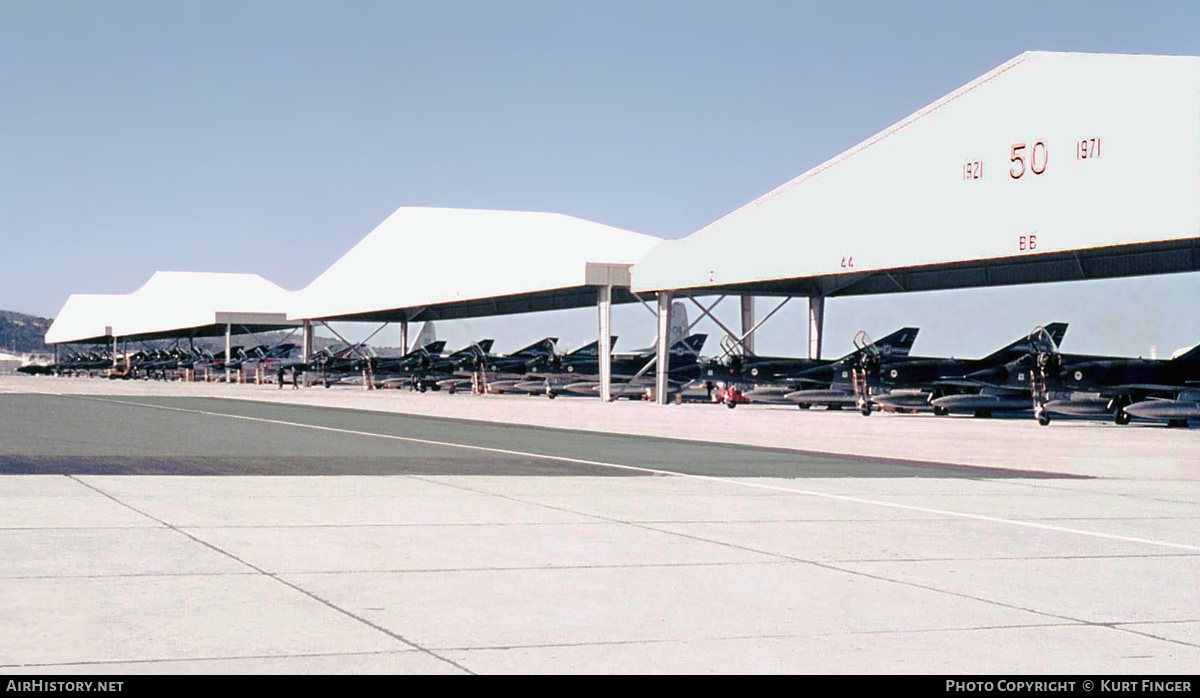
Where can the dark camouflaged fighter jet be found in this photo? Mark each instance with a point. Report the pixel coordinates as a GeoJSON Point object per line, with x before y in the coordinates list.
{"type": "Point", "coordinates": [1089, 385]}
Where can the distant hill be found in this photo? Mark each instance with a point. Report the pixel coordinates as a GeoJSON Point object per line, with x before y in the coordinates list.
{"type": "Point", "coordinates": [23, 333]}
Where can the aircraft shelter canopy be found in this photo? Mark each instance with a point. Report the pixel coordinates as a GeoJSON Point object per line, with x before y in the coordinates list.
{"type": "Point", "coordinates": [87, 317]}
{"type": "Point", "coordinates": [175, 304]}
{"type": "Point", "coordinates": [1052, 167]}
{"type": "Point", "coordinates": [435, 264]}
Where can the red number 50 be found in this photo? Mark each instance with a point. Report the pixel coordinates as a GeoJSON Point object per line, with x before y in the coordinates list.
{"type": "Point", "coordinates": [1038, 157]}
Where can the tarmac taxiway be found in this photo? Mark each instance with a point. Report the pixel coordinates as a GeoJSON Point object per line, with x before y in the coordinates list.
{"type": "Point", "coordinates": [165, 528]}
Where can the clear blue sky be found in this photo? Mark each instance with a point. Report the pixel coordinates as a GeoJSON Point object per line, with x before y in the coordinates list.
{"type": "Point", "coordinates": [271, 136]}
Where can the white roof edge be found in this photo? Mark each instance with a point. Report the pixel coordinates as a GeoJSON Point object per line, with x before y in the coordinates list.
{"type": "Point", "coordinates": [813, 220]}
{"type": "Point", "coordinates": [899, 125]}
{"type": "Point", "coordinates": [169, 301]}
{"type": "Point", "coordinates": [79, 320]}
{"type": "Point", "coordinates": [917, 115]}
{"type": "Point", "coordinates": [497, 254]}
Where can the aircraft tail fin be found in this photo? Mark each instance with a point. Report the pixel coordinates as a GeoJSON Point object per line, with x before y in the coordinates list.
{"type": "Point", "coordinates": [282, 351]}
{"type": "Point", "coordinates": [898, 343]}
{"type": "Point", "coordinates": [1011, 352]}
{"type": "Point", "coordinates": [426, 336]}
{"type": "Point", "coordinates": [679, 323]}
{"type": "Point", "coordinates": [1057, 330]}
{"type": "Point", "coordinates": [483, 346]}
{"type": "Point", "coordinates": [690, 346]}
{"type": "Point", "coordinates": [677, 332]}
{"type": "Point", "coordinates": [544, 346]}
{"type": "Point", "coordinates": [1192, 354]}
{"type": "Point", "coordinates": [592, 349]}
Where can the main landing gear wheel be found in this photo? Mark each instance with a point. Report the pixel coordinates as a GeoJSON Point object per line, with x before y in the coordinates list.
{"type": "Point", "coordinates": [1043, 419]}
{"type": "Point", "coordinates": [803, 405]}
{"type": "Point", "coordinates": [730, 404]}
{"type": "Point", "coordinates": [1121, 416]}
{"type": "Point", "coordinates": [941, 411]}
{"type": "Point", "coordinates": [866, 410]}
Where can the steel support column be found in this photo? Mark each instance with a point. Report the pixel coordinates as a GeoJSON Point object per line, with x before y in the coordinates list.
{"type": "Point", "coordinates": [816, 325]}
{"type": "Point", "coordinates": [604, 308]}
{"type": "Point", "coordinates": [228, 350]}
{"type": "Point", "coordinates": [748, 324]}
{"type": "Point", "coordinates": [404, 337]}
{"type": "Point", "coordinates": [306, 347]}
{"type": "Point", "coordinates": [664, 347]}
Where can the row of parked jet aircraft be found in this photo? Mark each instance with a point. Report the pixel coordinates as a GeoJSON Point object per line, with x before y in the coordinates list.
{"type": "Point", "coordinates": [158, 363]}
{"type": "Point", "coordinates": [1030, 374]}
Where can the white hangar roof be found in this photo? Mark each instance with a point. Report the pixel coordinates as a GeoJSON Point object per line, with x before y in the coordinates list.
{"type": "Point", "coordinates": [436, 263]}
{"type": "Point", "coordinates": [175, 304]}
{"type": "Point", "coordinates": [1052, 167]}
{"type": "Point", "coordinates": [86, 317]}
{"type": "Point", "coordinates": [180, 304]}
